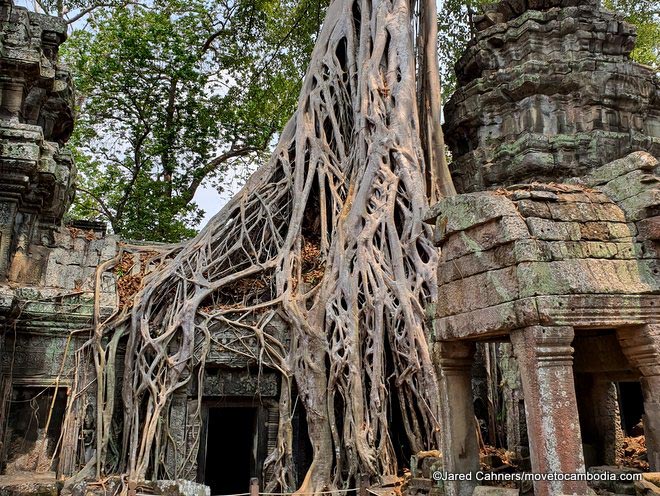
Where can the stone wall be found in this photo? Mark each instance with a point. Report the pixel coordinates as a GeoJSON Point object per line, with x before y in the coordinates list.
{"type": "Point", "coordinates": [48, 281]}
{"type": "Point", "coordinates": [36, 118]}
{"type": "Point", "coordinates": [551, 248]}
{"type": "Point", "coordinates": [47, 271]}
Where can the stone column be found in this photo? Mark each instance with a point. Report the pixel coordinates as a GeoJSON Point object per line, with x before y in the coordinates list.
{"type": "Point", "coordinates": [607, 421]}
{"type": "Point", "coordinates": [545, 358]}
{"type": "Point", "coordinates": [8, 212]}
{"type": "Point", "coordinates": [641, 346]}
{"type": "Point", "coordinates": [453, 361]}
{"type": "Point", "coordinates": [175, 458]}
{"type": "Point", "coordinates": [516, 430]}
{"type": "Point", "coordinates": [600, 420]}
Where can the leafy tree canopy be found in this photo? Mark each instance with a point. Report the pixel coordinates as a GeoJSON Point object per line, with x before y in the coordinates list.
{"type": "Point", "coordinates": [176, 94]}
{"type": "Point", "coordinates": [173, 95]}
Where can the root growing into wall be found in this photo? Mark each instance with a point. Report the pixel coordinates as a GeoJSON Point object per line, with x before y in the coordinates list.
{"type": "Point", "coordinates": [328, 237]}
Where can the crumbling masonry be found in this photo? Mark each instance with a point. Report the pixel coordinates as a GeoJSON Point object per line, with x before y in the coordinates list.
{"type": "Point", "coordinates": [550, 250]}
{"type": "Point", "coordinates": [48, 281]}
{"type": "Point", "coordinates": [552, 245]}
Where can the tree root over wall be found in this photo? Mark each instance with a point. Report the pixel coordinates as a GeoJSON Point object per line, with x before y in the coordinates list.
{"type": "Point", "coordinates": [327, 236]}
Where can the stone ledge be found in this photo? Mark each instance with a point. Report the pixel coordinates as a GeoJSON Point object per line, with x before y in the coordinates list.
{"type": "Point", "coordinates": [593, 311]}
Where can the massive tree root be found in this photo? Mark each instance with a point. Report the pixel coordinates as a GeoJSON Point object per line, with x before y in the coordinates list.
{"type": "Point", "coordinates": [349, 183]}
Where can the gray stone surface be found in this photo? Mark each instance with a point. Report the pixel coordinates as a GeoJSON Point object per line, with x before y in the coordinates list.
{"type": "Point", "coordinates": [494, 491]}
{"type": "Point", "coordinates": [547, 91]}
{"type": "Point", "coordinates": [181, 487]}
{"type": "Point", "coordinates": [553, 117]}
{"type": "Point", "coordinates": [47, 271]}
{"type": "Point", "coordinates": [36, 119]}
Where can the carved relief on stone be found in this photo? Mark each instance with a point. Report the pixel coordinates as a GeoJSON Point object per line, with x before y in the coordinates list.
{"type": "Point", "coordinates": [240, 383]}
{"type": "Point", "coordinates": [36, 119]}
{"type": "Point", "coordinates": [37, 356]}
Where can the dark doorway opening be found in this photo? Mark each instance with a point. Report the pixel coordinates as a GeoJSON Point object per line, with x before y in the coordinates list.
{"type": "Point", "coordinates": [631, 404]}
{"type": "Point", "coordinates": [302, 447]}
{"type": "Point", "coordinates": [230, 449]}
{"type": "Point", "coordinates": [400, 441]}
{"type": "Point", "coordinates": [33, 429]}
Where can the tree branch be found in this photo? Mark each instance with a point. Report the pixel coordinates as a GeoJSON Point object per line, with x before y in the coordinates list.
{"type": "Point", "coordinates": [201, 174]}
{"type": "Point", "coordinates": [92, 8]}
{"type": "Point", "coordinates": [105, 210]}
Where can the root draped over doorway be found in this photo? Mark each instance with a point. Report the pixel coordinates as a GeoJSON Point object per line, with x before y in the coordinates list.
{"type": "Point", "coordinates": [328, 237]}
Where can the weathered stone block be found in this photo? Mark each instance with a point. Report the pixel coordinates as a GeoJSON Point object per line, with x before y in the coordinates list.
{"type": "Point", "coordinates": [492, 321]}
{"type": "Point", "coordinates": [503, 256]}
{"type": "Point", "coordinates": [608, 212]}
{"type": "Point", "coordinates": [562, 250]}
{"type": "Point", "coordinates": [484, 237]}
{"type": "Point", "coordinates": [635, 161]}
{"type": "Point", "coordinates": [573, 212]}
{"type": "Point", "coordinates": [494, 491]}
{"type": "Point", "coordinates": [16, 487]}
{"type": "Point", "coordinates": [584, 276]}
{"type": "Point", "coordinates": [478, 291]}
{"type": "Point", "coordinates": [181, 487]}
{"type": "Point", "coordinates": [593, 249]}
{"type": "Point", "coordinates": [643, 205]}
{"type": "Point", "coordinates": [532, 208]}
{"type": "Point", "coordinates": [553, 231]}
{"type": "Point", "coordinates": [649, 228]}
{"type": "Point", "coordinates": [465, 211]}
{"type": "Point", "coordinates": [628, 185]}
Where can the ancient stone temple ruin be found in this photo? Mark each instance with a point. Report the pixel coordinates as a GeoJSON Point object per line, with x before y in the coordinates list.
{"type": "Point", "coordinates": [549, 262]}
{"type": "Point", "coordinates": [551, 247]}
{"type": "Point", "coordinates": [47, 271]}
{"type": "Point", "coordinates": [49, 287]}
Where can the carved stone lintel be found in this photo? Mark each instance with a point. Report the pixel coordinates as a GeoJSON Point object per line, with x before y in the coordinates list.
{"type": "Point", "coordinates": [240, 383]}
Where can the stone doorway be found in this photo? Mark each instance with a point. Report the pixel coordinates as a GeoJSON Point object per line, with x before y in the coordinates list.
{"type": "Point", "coordinates": [609, 396]}
{"type": "Point", "coordinates": [34, 424]}
{"type": "Point", "coordinates": [231, 451]}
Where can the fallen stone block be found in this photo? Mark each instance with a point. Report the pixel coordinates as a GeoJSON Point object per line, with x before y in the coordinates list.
{"type": "Point", "coordinates": [420, 484]}
{"type": "Point", "coordinates": [644, 488]}
{"type": "Point", "coordinates": [389, 480]}
{"type": "Point", "coordinates": [181, 487]}
{"type": "Point", "coordinates": [30, 489]}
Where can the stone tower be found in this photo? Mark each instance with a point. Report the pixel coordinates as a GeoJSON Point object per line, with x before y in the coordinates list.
{"type": "Point", "coordinates": [551, 250]}
{"type": "Point", "coordinates": [36, 119]}
{"type": "Point", "coordinates": [547, 91]}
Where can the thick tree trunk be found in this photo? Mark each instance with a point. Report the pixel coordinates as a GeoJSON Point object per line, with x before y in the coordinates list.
{"type": "Point", "coordinates": [347, 183]}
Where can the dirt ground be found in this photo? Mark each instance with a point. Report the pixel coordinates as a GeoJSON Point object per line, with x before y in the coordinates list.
{"type": "Point", "coordinates": [19, 478]}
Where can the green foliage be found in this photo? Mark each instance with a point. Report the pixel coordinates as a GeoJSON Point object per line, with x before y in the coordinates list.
{"type": "Point", "coordinates": [454, 32]}
{"type": "Point", "coordinates": [645, 15]}
{"type": "Point", "coordinates": [176, 94]}
{"type": "Point", "coordinates": [74, 10]}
